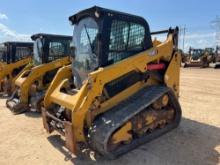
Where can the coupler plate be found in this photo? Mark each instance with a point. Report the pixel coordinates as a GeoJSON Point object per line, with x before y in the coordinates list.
{"type": "Point", "coordinates": [52, 123]}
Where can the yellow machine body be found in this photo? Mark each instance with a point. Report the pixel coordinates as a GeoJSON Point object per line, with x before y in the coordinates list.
{"type": "Point", "coordinates": [80, 103]}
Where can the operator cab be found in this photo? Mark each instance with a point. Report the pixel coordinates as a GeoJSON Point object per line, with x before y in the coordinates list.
{"type": "Point", "coordinates": [11, 52]}
{"type": "Point", "coordinates": [50, 47]}
{"type": "Point", "coordinates": [196, 53]}
{"type": "Point", "coordinates": [209, 51]}
{"type": "Point", "coordinates": [102, 37]}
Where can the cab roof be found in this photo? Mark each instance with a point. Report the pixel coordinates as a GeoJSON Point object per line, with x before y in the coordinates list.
{"type": "Point", "coordinates": [103, 11]}
{"type": "Point", "coordinates": [195, 49]}
{"type": "Point", "coordinates": [18, 43]}
{"type": "Point", "coordinates": [208, 48]}
{"type": "Point", "coordinates": [50, 36]}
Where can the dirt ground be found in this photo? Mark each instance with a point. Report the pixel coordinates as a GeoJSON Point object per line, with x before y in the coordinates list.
{"type": "Point", "coordinates": [196, 141]}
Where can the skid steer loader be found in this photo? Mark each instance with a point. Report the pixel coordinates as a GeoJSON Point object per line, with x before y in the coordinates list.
{"type": "Point", "coordinates": [199, 57]}
{"type": "Point", "coordinates": [50, 53]}
{"type": "Point", "coordinates": [194, 58]}
{"type": "Point", "coordinates": [15, 57]}
{"type": "Point", "coordinates": [210, 52]}
{"type": "Point", "coordinates": [121, 89]}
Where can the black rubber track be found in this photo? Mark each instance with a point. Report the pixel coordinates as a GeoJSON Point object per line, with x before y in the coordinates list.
{"type": "Point", "coordinates": [105, 125]}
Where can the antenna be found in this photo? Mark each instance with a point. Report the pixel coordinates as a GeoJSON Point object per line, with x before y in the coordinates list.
{"type": "Point", "coordinates": [182, 36]}
{"type": "Point", "coordinates": [184, 32]}
{"type": "Point", "coordinates": [216, 25]}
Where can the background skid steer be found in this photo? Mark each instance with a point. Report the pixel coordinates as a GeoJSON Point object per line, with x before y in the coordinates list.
{"type": "Point", "coordinates": [15, 57]}
{"type": "Point", "coordinates": [50, 53]}
{"type": "Point", "coordinates": [124, 89]}
{"type": "Point", "coordinates": [210, 55]}
{"type": "Point", "coordinates": [199, 57]}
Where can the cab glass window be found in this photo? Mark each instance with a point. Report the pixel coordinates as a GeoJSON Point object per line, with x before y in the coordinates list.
{"type": "Point", "coordinates": [126, 39]}
{"type": "Point", "coordinates": [58, 49]}
{"type": "Point", "coordinates": [22, 52]}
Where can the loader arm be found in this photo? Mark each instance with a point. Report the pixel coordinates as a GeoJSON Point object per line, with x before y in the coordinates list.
{"type": "Point", "coordinates": [6, 69]}
{"type": "Point", "coordinates": [26, 68]}
{"type": "Point", "coordinates": [24, 81]}
{"type": "Point", "coordinates": [63, 73]}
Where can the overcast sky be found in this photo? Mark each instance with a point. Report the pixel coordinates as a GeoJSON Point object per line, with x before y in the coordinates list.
{"type": "Point", "coordinates": [20, 19]}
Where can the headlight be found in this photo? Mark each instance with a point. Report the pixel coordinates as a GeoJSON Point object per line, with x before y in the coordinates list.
{"type": "Point", "coordinates": [19, 92]}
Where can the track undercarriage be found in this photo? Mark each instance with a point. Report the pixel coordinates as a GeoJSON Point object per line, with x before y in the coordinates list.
{"type": "Point", "coordinates": [141, 118]}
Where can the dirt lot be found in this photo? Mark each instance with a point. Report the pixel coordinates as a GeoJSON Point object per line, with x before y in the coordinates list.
{"type": "Point", "coordinates": [197, 140]}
